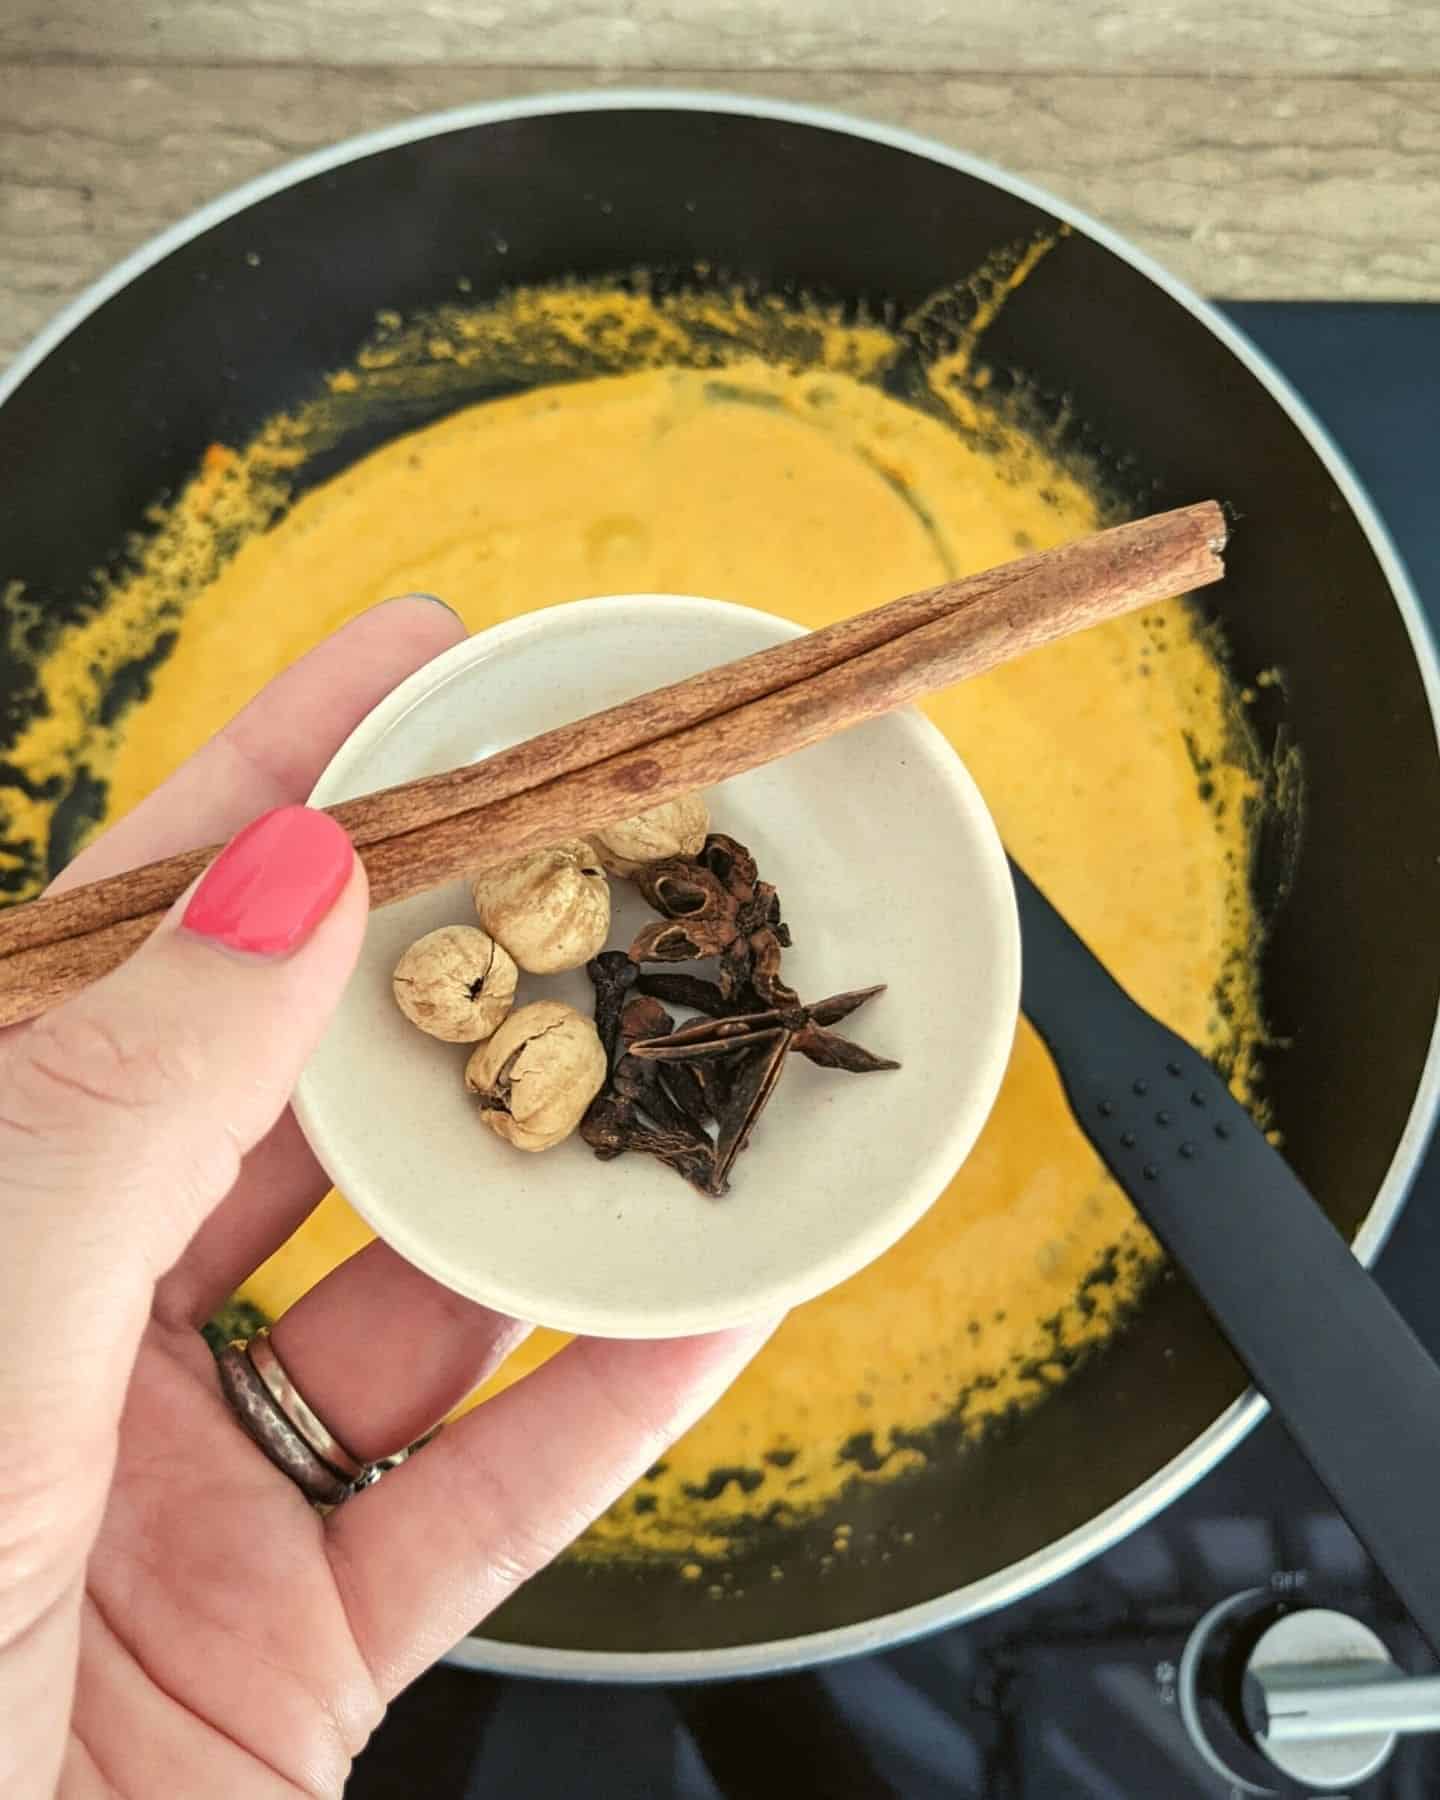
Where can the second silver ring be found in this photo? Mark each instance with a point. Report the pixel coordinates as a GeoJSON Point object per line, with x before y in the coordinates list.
{"type": "Point", "coordinates": [293, 1405]}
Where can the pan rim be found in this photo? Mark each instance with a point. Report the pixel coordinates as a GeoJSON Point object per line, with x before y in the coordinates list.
{"type": "Point", "coordinates": [1226, 1432]}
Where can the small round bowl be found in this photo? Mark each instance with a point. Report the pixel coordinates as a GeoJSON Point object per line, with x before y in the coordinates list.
{"type": "Point", "coordinates": [890, 870]}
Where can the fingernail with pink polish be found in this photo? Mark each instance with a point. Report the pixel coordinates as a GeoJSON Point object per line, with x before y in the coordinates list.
{"type": "Point", "coordinates": [273, 883]}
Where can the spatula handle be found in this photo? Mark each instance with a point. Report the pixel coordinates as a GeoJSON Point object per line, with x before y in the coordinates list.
{"type": "Point", "coordinates": [1352, 1383]}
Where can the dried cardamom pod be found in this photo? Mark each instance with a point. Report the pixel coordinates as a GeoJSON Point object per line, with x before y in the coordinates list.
{"type": "Point", "coordinates": [677, 828]}
{"type": "Point", "coordinates": [551, 909]}
{"type": "Point", "coordinates": [537, 1075]}
{"type": "Point", "coordinates": [456, 983]}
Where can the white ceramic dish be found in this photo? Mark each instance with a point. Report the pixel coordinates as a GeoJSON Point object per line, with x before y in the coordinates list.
{"type": "Point", "coordinates": [890, 869]}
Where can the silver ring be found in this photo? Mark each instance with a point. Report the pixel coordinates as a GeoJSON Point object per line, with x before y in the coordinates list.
{"type": "Point", "coordinates": [293, 1404]}
{"type": "Point", "coordinates": [267, 1427]}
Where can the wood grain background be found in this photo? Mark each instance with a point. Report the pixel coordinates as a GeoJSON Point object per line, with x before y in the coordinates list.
{"type": "Point", "coordinates": [1262, 148]}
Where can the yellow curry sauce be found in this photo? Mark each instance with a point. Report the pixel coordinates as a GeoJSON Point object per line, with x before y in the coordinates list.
{"type": "Point", "coordinates": [715, 445]}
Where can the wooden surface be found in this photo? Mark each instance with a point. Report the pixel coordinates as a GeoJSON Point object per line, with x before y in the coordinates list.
{"type": "Point", "coordinates": [1178, 37]}
{"type": "Point", "coordinates": [1296, 157]}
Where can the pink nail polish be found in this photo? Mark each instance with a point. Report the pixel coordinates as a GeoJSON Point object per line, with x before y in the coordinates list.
{"type": "Point", "coordinates": [273, 883]}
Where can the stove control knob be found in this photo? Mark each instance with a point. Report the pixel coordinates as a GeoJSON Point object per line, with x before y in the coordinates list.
{"type": "Point", "coordinates": [1312, 1696]}
{"type": "Point", "coordinates": [1325, 1702]}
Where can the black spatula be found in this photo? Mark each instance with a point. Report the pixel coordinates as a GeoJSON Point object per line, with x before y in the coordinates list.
{"type": "Point", "coordinates": [1354, 1386]}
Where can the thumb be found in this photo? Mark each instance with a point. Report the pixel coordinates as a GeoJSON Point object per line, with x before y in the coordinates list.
{"type": "Point", "coordinates": [124, 1114]}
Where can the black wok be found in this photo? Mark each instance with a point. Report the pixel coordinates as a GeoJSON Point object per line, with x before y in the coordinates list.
{"type": "Point", "coordinates": [235, 314]}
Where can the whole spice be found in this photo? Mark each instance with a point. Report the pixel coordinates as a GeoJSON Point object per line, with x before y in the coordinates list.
{"type": "Point", "coordinates": [612, 1126]}
{"type": "Point", "coordinates": [635, 1110]}
{"type": "Point", "coordinates": [675, 829]}
{"type": "Point", "coordinates": [668, 1087]}
{"type": "Point", "coordinates": [715, 904]}
{"type": "Point", "coordinates": [612, 975]}
{"type": "Point", "coordinates": [755, 1045]}
{"type": "Point", "coordinates": [537, 1075]}
{"type": "Point", "coordinates": [647, 1084]}
{"type": "Point", "coordinates": [456, 983]}
{"type": "Point", "coordinates": [679, 989]}
{"type": "Point", "coordinates": [551, 909]}
{"type": "Point", "coordinates": [806, 1026]}
{"type": "Point", "coordinates": [696, 733]}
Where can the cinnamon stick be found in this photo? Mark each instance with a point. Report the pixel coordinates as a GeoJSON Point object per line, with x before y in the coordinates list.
{"type": "Point", "coordinates": [692, 734]}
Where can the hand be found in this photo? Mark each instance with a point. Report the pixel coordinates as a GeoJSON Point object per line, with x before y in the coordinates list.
{"type": "Point", "coordinates": [175, 1619]}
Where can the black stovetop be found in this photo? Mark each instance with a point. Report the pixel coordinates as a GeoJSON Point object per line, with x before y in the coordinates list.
{"type": "Point", "coordinates": [1068, 1695]}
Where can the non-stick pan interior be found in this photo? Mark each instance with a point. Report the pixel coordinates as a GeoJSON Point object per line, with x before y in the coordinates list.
{"type": "Point", "coordinates": [243, 319]}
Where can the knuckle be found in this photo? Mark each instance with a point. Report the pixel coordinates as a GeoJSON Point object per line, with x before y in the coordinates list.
{"type": "Point", "coordinates": [520, 1541]}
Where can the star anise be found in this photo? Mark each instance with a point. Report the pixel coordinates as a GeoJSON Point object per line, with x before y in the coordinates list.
{"type": "Point", "coordinates": [715, 905]}
{"type": "Point", "coordinates": [756, 1045]}
{"type": "Point", "coordinates": [808, 1027]}
{"type": "Point", "coordinates": [667, 1087]}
